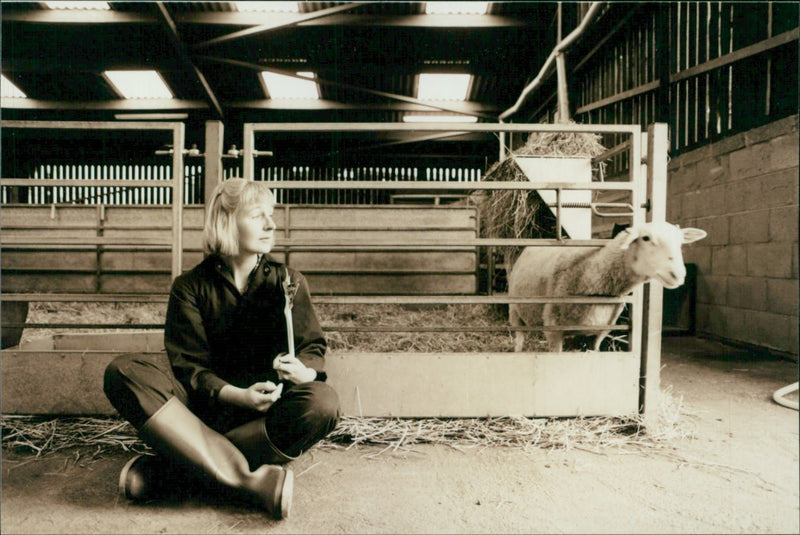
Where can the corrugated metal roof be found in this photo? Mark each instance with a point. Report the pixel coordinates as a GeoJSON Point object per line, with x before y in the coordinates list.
{"type": "Point", "coordinates": [367, 55]}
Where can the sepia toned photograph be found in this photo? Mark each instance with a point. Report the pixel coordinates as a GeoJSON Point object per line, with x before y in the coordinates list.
{"type": "Point", "coordinates": [399, 267]}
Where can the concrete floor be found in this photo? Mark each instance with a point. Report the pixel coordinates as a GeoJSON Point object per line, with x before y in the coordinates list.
{"type": "Point", "coordinates": [737, 474]}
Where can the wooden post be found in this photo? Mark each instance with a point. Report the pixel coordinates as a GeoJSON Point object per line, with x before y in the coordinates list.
{"type": "Point", "coordinates": [213, 158]}
{"type": "Point", "coordinates": [662, 59]}
{"type": "Point", "coordinates": [561, 71]}
{"type": "Point", "coordinates": [248, 162]}
{"type": "Point", "coordinates": [178, 140]}
{"type": "Point", "coordinates": [563, 95]}
{"type": "Point", "coordinates": [98, 273]}
{"type": "Point", "coordinates": [649, 400]}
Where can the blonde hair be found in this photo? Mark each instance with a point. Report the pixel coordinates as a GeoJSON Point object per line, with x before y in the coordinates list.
{"type": "Point", "coordinates": [221, 235]}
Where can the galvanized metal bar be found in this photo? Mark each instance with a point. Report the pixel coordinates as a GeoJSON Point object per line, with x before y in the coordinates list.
{"type": "Point", "coordinates": [332, 243]}
{"type": "Point", "coordinates": [474, 329]}
{"type": "Point", "coordinates": [93, 297]}
{"type": "Point", "coordinates": [325, 299]}
{"type": "Point", "coordinates": [90, 125]}
{"type": "Point", "coordinates": [46, 325]}
{"type": "Point", "coordinates": [375, 229]}
{"type": "Point", "coordinates": [657, 150]}
{"type": "Point", "coordinates": [636, 168]}
{"type": "Point", "coordinates": [309, 243]}
{"type": "Point", "coordinates": [390, 272]}
{"type": "Point", "coordinates": [7, 227]}
{"type": "Point", "coordinates": [448, 186]}
{"type": "Point", "coordinates": [342, 328]}
{"type": "Point", "coordinates": [559, 235]}
{"type": "Point", "coordinates": [93, 227]}
{"type": "Point", "coordinates": [83, 182]}
{"type": "Point", "coordinates": [460, 299]}
{"type": "Point", "coordinates": [445, 127]}
{"type": "Point", "coordinates": [88, 240]}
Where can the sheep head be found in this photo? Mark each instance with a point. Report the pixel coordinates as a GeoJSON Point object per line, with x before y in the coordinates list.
{"type": "Point", "coordinates": [654, 250]}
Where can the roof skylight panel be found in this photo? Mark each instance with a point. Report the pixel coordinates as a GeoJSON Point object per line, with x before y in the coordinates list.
{"type": "Point", "coordinates": [456, 8]}
{"type": "Point", "coordinates": [138, 84]}
{"type": "Point", "coordinates": [269, 7]}
{"type": "Point", "coordinates": [9, 90]}
{"type": "Point", "coordinates": [282, 86]}
{"type": "Point", "coordinates": [443, 86]}
{"type": "Point", "coordinates": [415, 118]}
{"type": "Point", "coordinates": [78, 5]}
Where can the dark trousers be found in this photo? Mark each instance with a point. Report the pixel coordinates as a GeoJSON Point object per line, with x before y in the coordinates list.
{"type": "Point", "coordinates": [137, 385]}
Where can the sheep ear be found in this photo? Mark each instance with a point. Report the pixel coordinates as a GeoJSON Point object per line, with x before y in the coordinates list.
{"type": "Point", "coordinates": [630, 238]}
{"type": "Point", "coordinates": [693, 234]}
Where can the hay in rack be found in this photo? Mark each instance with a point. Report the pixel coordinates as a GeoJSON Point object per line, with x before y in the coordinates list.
{"type": "Point", "coordinates": [521, 214]}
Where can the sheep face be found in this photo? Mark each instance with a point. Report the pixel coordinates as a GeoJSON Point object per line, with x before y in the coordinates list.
{"type": "Point", "coordinates": [655, 251]}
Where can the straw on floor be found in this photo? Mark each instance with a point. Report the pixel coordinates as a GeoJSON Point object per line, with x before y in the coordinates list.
{"type": "Point", "coordinates": [47, 435]}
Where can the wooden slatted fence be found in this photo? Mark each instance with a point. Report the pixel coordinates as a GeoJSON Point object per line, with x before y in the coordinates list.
{"type": "Point", "coordinates": [62, 249]}
{"type": "Point", "coordinates": [708, 69]}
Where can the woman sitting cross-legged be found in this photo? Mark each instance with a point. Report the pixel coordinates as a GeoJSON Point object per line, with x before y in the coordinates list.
{"type": "Point", "coordinates": [228, 405]}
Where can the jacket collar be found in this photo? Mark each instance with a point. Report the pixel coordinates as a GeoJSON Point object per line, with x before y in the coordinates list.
{"type": "Point", "coordinates": [265, 267]}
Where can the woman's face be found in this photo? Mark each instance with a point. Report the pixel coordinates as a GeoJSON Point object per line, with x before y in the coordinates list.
{"type": "Point", "coordinates": [256, 228]}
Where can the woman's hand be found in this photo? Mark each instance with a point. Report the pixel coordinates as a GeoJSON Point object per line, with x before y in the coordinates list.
{"type": "Point", "coordinates": [259, 396]}
{"type": "Point", "coordinates": [292, 369]}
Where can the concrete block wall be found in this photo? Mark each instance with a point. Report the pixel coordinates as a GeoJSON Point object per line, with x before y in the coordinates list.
{"type": "Point", "coordinates": [743, 191]}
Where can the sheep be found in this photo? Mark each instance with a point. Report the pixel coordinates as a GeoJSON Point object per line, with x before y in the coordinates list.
{"type": "Point", "coordinates": [651, 251]}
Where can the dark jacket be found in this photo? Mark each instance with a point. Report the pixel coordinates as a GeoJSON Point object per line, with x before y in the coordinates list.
{"type": "Point", "coordinates": [216, 336]}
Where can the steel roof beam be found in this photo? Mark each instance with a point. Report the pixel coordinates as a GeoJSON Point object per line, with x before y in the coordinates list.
{"type": "Point", "coordinates": [273, 25]}
{"type": "Point", "coordinates": [110, 105]}
{"type": "Point", "coordinates": [345, 19]}
{"type": "Point", "coordinates": [185, 60]}
{"type": "Point", "coordinates": [430, 105]}
{"type": "Point", "coordinates": [50, 16]}
{"type": "Point", "coordinates": [264, 104]}
{"type": "Point", "coordinates": [324, 104]}
{"type": "Point", "coordinates": [410, 138]}
{"type": "Point", "coordinates": [268, 21]}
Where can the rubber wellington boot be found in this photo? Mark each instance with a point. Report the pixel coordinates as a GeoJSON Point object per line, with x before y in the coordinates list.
{"type": "Point", "coordinates": [145, 477]}
{"type": "Point", "coordinates": [252, 440]}
{"type": "Point", "coordinates": [177, 434]}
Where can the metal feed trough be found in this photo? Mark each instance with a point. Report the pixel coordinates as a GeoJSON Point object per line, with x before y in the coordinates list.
{"type": "Point", "coordinates": [394, 384]}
